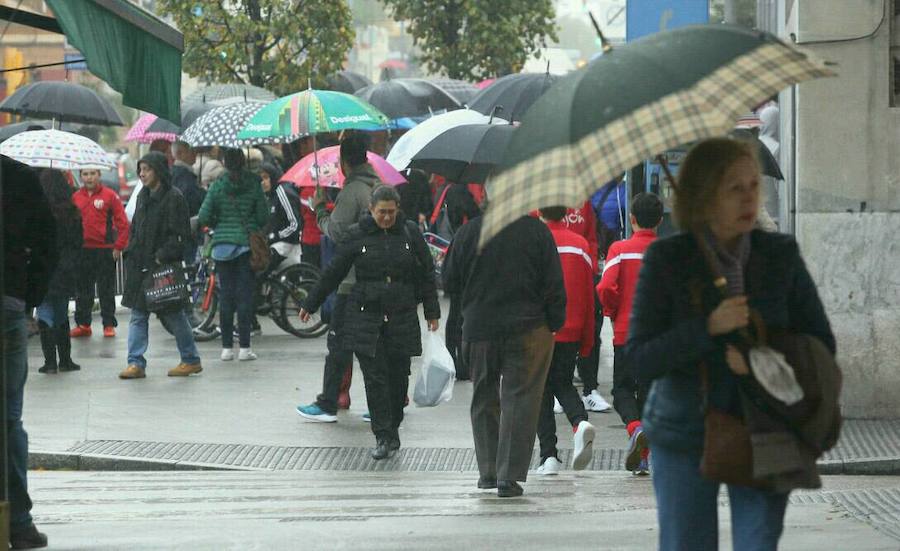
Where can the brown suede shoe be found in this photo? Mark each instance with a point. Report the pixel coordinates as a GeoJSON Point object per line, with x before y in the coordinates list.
{"type": "Point", "coordinates": [183, 370]}
{"type": "Point", "coordinates": [132, 372]}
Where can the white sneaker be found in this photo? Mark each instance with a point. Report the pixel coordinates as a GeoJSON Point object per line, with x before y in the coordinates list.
{"type": "Point", "coordinates": [595, 402]}
{"type": "Point", "coordinates": [557, 407]}
{"type": "Point", "coordinates": [246, 355]}
{"type": "Point", "coordinates": [227, 354]}
{"type": "Point", "coordinates": [551, 466]}
{"type": "Point", "coordinates": [584, 446]}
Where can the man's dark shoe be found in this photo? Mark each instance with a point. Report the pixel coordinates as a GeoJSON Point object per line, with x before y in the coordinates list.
{"type": "Point", "coordinates": [509, 488]}
{"type": "Point", "coordinates": [27, 538]}
{"type": "Point", "coordinates": [487, 483]}
{"type": "Point", "coordinates": [381, 451]}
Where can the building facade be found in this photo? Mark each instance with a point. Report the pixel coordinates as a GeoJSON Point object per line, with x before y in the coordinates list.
{"type": "Point", "coordinates": [840, 140]}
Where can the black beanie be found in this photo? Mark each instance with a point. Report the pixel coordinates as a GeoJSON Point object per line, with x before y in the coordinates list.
{"type": "Point", "coordinates": [160, 165]}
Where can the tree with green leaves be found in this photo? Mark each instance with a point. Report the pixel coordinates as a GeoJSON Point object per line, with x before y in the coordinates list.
{"type": "Point", "coordinates": [274, 44]}
{"type": "Point", "coordinates": [476, 39]}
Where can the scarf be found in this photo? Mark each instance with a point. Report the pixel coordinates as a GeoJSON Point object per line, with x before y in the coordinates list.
{"type": "Point", "coordinates": [731, 265]}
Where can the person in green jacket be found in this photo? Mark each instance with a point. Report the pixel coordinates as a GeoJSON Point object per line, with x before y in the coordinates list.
{"type": "Point", "coordinates": [234, 206]}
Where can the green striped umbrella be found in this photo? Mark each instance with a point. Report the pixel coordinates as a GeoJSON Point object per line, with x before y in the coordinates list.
{"type": "Point", "coordinates": [635, 102]}
{"type": "Point", "coordinates": [312, 112]}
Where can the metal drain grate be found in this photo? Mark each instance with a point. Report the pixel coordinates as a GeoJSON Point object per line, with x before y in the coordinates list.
{"type": "Point", "coordinates": [315, 459]}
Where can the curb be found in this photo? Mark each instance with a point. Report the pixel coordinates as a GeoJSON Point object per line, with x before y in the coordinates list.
{"type": "Point", "coordinates": [67, 461]}
{"type": "Point", "coordinates": [880, 466]}
{"type": "Point", "coordinates": [73, 461]}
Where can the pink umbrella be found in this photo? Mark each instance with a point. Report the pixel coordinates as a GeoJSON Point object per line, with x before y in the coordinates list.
{"type": "Point", "coordinates": [138, 132]}
{"type": "Point", "coordinates": [485, 83]}
{"type": "Point", "coordinates": [303, 174]}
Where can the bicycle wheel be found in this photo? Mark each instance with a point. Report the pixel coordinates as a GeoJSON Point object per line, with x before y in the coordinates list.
{"type": "Point", "coordinates": [204, 298]}
{"type": "Point", "coordinates": [299, 273]}
{"type": "Point", "coordinates": [290, 313]}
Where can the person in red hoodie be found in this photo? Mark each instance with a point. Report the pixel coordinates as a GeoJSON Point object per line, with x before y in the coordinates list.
{"type": "Point", "coordinates": [105, 237]}
{"type": "Point", "coordinates": [616, 291]}
{"type": "Point", "coordinates": [575, 338]}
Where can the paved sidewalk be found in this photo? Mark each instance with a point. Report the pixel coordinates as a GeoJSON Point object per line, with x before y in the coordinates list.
{"type": "Point", "coordinates": [412, 511]}
{"type": "Point", "coordinates": [248, 407]}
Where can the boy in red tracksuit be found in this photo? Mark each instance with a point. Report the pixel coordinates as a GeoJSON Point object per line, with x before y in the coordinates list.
{"type": "Point", "coordinates": [105, 237]}
{"type": "Point", "coordinates": [616, 291]}
{"type": "Point", "coordinates": [574, 338]}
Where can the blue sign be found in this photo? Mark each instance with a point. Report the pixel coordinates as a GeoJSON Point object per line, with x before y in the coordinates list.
{"type": "Point", "coordinates": [643, 17]}
{"type": "Point", "coordinates": [78, 59]}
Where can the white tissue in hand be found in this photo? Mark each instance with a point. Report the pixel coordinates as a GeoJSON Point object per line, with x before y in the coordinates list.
{"type": "Point", "coordinates": [775, 375]}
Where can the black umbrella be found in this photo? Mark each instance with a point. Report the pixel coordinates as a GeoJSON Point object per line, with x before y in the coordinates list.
{"type": "Point", "coordinates": [221, 94]}
{"type": "Point", "coordinates": [465, 153]}
{"type": "Point", "coordinates": [767, 161]}
{"type": "Point", "coordinates": [348, 82]}
{"type": "Point", "coordinates": [515, 93]}
{"type": "Point", "coordinates": [407, 97]}
{"type": "Point", "coordinates": [61, 101]}
{"type": "Point", "coordinates": [190, 112]}
{"type": "Point", "coordinates": [461, 90]}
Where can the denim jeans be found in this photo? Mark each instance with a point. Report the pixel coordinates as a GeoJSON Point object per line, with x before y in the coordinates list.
{"type": "Point", "coordinates": [138, 335]}
{"type": "Point", "coordinates": [237, 287]}
{"type": "Point", "coordinates": [15, 335]}
{"type": "Point", "coordinates": [687, 508]}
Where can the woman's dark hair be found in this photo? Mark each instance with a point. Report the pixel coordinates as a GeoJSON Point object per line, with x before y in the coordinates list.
{"type": "Point", "coordinates": [385, 193]}
{"type": "Point", "coordinates": [59, 195]}
{"type": "Point", "coordinates": [700, 176]}
{"type": "Point", "coordinates": [647, 210]}
{"type": "Point", "coordinates": [233, 160]}
{"type": "Point", "coordinates": [554, 214]}
{"type": "Point", "coordinates": [272, 170]}
{"type": "Point", "coordinates": [354, 148]}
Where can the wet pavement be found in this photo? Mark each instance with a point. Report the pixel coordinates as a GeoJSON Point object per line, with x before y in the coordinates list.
{"type": "Point", "coordinates": [308, 485]}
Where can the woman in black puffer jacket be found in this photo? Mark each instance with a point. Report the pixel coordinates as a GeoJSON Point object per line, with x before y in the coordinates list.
{"type": "Point", "coordinates": [53, 312]}
{"type": "Point", "coordinates": [394, 273]}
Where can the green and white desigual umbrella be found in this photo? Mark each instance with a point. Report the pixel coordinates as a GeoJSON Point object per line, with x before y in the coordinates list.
{"type": "Point", "coordinates": [635, 102]}
{"type": "Point", "coordinates": [312, 112]}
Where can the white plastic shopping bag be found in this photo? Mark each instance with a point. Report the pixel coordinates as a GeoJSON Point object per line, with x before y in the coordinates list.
{"type": "Point", "coordinates": [435, 383]}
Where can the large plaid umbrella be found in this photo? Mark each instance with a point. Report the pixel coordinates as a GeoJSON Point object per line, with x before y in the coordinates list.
{"type": "Point", "coordinates": [635, 102]}
{"type": "Point", "coordinates": [221, 125]}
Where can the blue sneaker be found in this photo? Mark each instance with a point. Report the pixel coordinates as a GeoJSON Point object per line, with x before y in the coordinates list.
{"type": "Point", "coordinates": [315, 413]}
{"type": "Point", "coordinates": [366, 417]}
{"type": "Point", "coordinates": [643, 468]}
{"type": "Point", "coordinates": [636, 446]}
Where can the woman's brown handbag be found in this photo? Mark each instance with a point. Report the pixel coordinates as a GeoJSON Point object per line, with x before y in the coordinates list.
{"type": "Point", "coordinates": [727, 451]}
{"type": "Point", "coordinates": [260, 256]}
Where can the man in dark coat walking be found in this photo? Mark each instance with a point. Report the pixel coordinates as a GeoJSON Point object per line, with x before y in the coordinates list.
{"type": "Point", "coordinates": [29, 259]}
{"type": "Point", "coordinates": [160, 231]}
{"type": "Point", "coordinates": [513, 300]}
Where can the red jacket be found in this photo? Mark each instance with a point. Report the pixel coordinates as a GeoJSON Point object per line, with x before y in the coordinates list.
{"type": "Point", "coordinates": [583, 221]}
{"type": "Point", "coordinates": [311, 234]}
{"type": "Point", "coordinates": [578, 276]}
{"type": "Point", "coordinates": [620, 277]}
{"type": "Point", "coordinates": [101, 212]}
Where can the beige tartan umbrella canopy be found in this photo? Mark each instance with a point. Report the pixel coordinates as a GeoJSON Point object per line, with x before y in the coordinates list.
{"type": "Point", "coordinates": [633, 103]}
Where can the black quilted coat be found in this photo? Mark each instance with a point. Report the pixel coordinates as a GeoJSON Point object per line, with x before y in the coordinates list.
{"type": "Point", "coordinates": [394, 273]}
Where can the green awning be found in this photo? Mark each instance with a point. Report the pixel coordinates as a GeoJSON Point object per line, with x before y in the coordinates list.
{"type": "Point", "coordinates": [137, 54]}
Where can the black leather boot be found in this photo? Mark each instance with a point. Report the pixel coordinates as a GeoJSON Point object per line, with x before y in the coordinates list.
{"type": "Point", "coordinates": [64, 345]}
{"type": "Point", "coordinates": [48, 347]}
{"type": "Point", "coordinates": [381, 451]}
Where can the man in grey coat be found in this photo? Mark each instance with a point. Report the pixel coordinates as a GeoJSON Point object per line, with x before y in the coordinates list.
{"type": "Point", "coordinates": [350, 205]}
